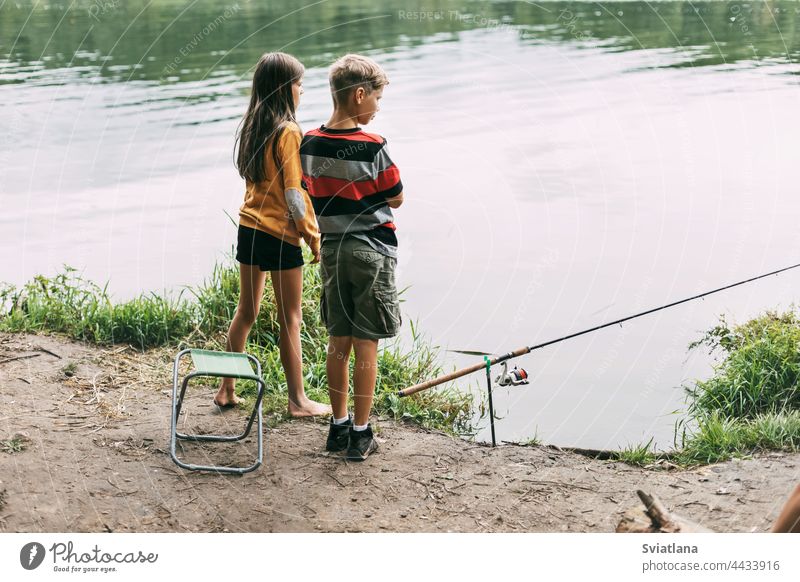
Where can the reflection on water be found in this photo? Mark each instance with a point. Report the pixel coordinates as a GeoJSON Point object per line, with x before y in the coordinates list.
{"type": "Point", "coordinates": [168, 41]}
{"type": "Point", "coordinates": [566, 163]}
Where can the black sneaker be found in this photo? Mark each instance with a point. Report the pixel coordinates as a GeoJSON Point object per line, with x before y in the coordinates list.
{"type": "Point", "coordinates": [362, 443]}
{"type": "Point", "coordinates": [338, 435]}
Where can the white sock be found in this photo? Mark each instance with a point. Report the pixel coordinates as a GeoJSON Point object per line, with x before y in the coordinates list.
{"type": "Point", "coordinates": [341, 420]}
{"type": "Point", "coordinates": [360, 427]}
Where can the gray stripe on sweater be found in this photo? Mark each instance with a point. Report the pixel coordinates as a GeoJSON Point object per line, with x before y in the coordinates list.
{"type": "Point", "coordinates": [351, 170]}
{"type": "Point", "coordinates": [354, 222]}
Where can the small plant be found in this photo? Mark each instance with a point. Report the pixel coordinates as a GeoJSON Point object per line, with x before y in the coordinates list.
{"type": "Point", "coordinates": [533, 441]}
{"type": "Point", "coordinates": [69, 369]}
{"type": "Point", "coordinates": [641, 454]}
{"type": "Point", "coordinates": [17, 444]}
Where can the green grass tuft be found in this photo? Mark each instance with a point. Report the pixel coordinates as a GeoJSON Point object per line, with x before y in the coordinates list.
{"type": "Point", "coordinates": [640, 455]}
{"type": "Point", "coordinates": [69, 304]}
{"type": "Point", "coordinates": [718, 438]}
{"type": "Point", "coordinates": [752, 403]}
{"type": "Point", "coordinates": [759, 372]}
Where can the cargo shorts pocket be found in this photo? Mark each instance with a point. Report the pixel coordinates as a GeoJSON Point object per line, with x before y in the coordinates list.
{"type": "Point", "coordinates": [368, 257]}
{"type": "Point", "coordinates": [388, 308]}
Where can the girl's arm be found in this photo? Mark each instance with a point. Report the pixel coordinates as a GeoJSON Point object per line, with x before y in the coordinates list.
{"type": "Point", "coordinates": [298, 202]}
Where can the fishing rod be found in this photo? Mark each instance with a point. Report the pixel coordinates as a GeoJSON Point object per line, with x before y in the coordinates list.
{"type": "Point", "coordinates": [519, 376]}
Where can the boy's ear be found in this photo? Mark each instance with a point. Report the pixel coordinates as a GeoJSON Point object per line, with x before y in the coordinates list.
{"type": "Point", "coordinates": [360, 93]}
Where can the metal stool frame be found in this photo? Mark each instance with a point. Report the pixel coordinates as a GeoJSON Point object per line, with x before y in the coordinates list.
{"type": "Point", "coordinates": [177, 403]}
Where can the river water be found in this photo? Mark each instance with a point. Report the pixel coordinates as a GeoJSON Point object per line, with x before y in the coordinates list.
{"type": "Point", "coordinates": [565, 164]}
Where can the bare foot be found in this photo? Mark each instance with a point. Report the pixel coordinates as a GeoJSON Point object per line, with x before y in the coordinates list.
{"type": "Point", "coordinates": [307, 408]}
{"type": "Point", "coordinates": [226, 397]}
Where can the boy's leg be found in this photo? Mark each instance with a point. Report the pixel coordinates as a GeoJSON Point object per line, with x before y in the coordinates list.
{"type": "Point", "coordinates": [336, 309]}
{"type": "Point", "coordinates": [251, 283]}
{"type": "Point", "coordinates": [337, 366]}
{"type": "Point", "coordinates": [362, 441]}
{"type": "Point", "coordinates": [288, 287]}
{"type": "Point", "coordinates": [365, 374]}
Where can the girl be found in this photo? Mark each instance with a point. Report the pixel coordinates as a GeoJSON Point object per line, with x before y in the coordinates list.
{"type": "Point", "coordinates": [276, 214]}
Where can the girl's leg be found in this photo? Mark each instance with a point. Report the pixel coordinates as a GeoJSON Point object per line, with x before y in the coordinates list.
{"type": "Point", "coordinates": [288, 286]}
{"type": "Point", "coordinates": [251, 282]}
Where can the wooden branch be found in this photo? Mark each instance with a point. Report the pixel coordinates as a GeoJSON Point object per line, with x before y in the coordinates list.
{"type": "Point", "coordinates": [657, 513]}
{"type": "Point", "coordinates": [656, 519]}
{"type": "Point", "coordinates": [19, 358]}
{"type": "Point", "coordinates": [45, 350]}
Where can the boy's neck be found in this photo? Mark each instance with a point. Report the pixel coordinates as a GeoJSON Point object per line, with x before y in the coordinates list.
{"type": "Point", "coordinates": [341, 120]}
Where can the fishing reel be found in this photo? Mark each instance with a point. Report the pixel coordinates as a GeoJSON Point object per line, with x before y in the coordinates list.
{"type": "Point", "coordinates": [515, 377]}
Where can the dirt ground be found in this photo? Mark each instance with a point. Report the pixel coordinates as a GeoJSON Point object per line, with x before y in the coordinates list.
{"type": "Point", "coordinates": [84, 441]}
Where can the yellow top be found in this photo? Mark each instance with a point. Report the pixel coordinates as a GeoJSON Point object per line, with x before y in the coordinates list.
{"type": "Point", "coordinates": [279, 205]}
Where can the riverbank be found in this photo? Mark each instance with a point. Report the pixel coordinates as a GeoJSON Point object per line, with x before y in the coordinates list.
{"type": "Point", "coordinates": [199, 317]}
{"type": "Point", "coordinates": [84, 437]}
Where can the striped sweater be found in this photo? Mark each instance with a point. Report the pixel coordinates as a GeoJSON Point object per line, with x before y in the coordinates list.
{"type": "Point", "coordinates": [349, 175]}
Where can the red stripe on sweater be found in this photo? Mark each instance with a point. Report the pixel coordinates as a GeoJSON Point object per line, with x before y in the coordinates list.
{"type": "Point", "coordinates": [324, 186]}
{"type": "Point", "coordinates": [388, 178]}
{"type": "Point", "coordinates": [355, 136]}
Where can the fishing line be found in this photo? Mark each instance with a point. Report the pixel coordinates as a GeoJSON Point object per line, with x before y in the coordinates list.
{"type": "Point", "coordinates": [488, 362]}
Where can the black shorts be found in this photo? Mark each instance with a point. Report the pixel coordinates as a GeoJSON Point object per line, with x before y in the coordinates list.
{"type": "Point", "coordinates": [256, 247]}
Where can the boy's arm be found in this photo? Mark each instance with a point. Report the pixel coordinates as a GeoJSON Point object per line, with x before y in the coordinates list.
{"type": "Point", "coordinates": [389, 179]}
{"type": "Point", "coordinates": [298, 202]}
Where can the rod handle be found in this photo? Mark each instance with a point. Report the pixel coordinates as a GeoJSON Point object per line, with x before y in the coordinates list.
{"type": "Point", "coordinates": [440, 380]}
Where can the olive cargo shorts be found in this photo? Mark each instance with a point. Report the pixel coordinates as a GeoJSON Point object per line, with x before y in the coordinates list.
{"type": "Point", "coordinates": [359, 297]}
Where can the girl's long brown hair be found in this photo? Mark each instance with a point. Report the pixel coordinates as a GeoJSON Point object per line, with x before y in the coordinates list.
{"type": "Point", "coordinates": [271, 107]}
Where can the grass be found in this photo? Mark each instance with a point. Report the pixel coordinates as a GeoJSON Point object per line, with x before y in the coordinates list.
{"type": "Point", "coordinates": [69, 304]}
{"type": "Point", "coordinates": [641, 454]}
{"type": "Point", "coordinates": [759, 372]}
{"type": "Point", "coordinates": [534, 441]}
{"type": "Point", "coordinates": [199, 317]}
{"type": "Point", "coordinates": [752, 402]}
{"type": "Point", "coordinates": [718, 438]}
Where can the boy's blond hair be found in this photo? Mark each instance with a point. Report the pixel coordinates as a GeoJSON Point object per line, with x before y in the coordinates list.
{"type": "Point", "coordinates": [353, 71]}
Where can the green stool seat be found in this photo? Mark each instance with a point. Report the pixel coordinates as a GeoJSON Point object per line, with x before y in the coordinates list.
{"type": "Point", "coordinates": [221, 365]}
{"type": "Point", "coordinates": [227, 364]}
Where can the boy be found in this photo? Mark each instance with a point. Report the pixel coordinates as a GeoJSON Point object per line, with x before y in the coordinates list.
{"type": "Point", "coordinates": [353, 186]}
